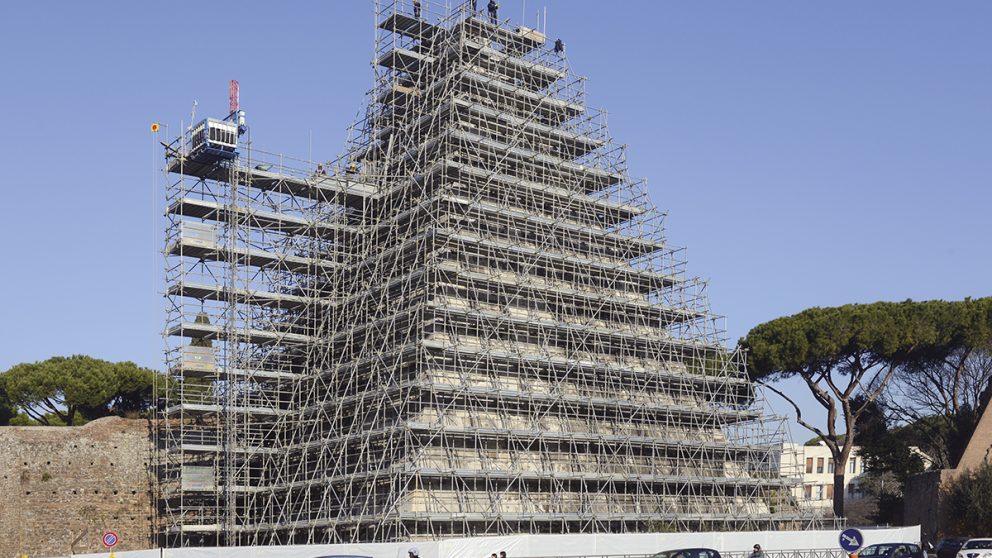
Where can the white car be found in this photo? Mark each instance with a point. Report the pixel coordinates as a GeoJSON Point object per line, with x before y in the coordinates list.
{"type": "Point", "coordinates": [976, 548]}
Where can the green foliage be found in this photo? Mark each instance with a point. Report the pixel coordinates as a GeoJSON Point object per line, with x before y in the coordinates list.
{"type": "Point", "coordinates": [891, 509]}
{"type": "Point", "coordinates": [816, 440]}
{"type": "Point", "coordinates": [942, 401]}
{"type": "Point", "coordinates": [7, 408]}
{"type": "Point", "coordinates": [72, 390]}
{"type": "Point", "coordinates": [821, 338]}
{"type": "Point", "coordinates": [886, 449]}
{"type": "Point", "coordinates": [946, 435]}
{"type": "Point", "coordinates": [848, 354]}
{"type": "Point", "coordinates": [888, 459]}
{"type": "Point", "coordinates": [969, 501]}
{"type": "Point", "coordinates": [23, 420]}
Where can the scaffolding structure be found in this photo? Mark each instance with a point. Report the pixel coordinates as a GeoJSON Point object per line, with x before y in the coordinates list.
{"type": "Point", "coordinates": [468, 324]}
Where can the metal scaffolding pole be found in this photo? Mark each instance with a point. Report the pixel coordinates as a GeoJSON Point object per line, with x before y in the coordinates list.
{"type": "Point", "coordinates": [470, 323]}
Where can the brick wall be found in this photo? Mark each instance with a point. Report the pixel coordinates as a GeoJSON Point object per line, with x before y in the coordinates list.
{"type": "Point", "coordinates": [62, 485]}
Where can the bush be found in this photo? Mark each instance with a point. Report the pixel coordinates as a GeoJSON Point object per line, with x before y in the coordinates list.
{"type": "Point", "coordinates": [969, 501]}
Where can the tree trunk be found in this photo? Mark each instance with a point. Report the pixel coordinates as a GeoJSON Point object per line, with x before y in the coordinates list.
{"type": "Point", "coordinates": [840, 466]}
{"type": "Point", "coordinates": [839, 489]}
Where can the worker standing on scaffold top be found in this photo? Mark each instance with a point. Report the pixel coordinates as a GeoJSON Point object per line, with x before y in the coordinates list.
{"type": "Point", "coordinates": [416, 9]}
{"type": "Point", "coordinates": [559, 46]}
{"type": "Point", "coordinates": [493, 12]}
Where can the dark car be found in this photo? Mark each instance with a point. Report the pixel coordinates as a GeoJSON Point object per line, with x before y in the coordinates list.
{"type": "Point", "coordinates": [688, 553]}
{"type": "Point", "coordinates": [892, 550]}
{"type": "Point", "coordinates": [949, 547]}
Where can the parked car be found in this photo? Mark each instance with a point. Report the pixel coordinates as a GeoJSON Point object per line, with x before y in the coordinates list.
{"type": "Point", "coordinates": [892, 550]}
{"type": "Point", "coordinates": [949, 547]}
{"type": "Point", "coordinates": [688, 553]}
{"type": "Point", "coordinates": [976, 548]}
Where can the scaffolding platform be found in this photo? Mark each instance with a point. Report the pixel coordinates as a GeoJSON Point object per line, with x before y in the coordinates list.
{"type": "Point", "coordinates": [534, 75]}
{"type": "Point", "coordinates": [473, 312]}
{"type": "Point", "coordinates": [244, 296]}
{"type": "Point", "coordinates": [409, 26]}
{"type": "Point", "coordinates": [210, 332]}
{"type": "Point", "coordinates": [405, 60]}
{"type": "Point", "coordinates": [217, 409]}
{"type": "Point", "coordinates": [248, 257]}
{"type": "Point", "coordinates": [519, 41]}
{"type": "Point", "coordinates": [263, 220]}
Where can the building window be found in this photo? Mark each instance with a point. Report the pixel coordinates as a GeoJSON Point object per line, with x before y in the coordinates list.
{"type": "Point", "coordinates": [830, 465]}
{"type": "Point", "coordinates": [809, 491]}
{"type": "Point", "coordinates": [819, 492]}
{"type": "Point", "coordinates": [809, 465]}
{"type": "Point", "coordinates": [819, 465]}
{"type": "Point", "coordinates": [854, 464]}
{"type": "Point", "coordinates": [830, 492]}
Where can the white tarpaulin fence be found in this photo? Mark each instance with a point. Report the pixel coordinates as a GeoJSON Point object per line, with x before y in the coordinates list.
{"type": "Point", "coordinates": [522, 546]}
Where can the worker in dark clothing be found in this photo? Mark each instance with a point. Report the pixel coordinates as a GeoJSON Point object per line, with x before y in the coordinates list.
{"type": "Point", "coordinates": [493, 12]}
{"type": "Point", "coordinates": [559, 46]}
{"type": "Point", "coordinates": [475, 6]}
{"type": "Point", "coordinates": [416, 9]}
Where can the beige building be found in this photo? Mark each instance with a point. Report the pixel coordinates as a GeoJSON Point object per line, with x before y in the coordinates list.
{"type": "Point", "coordinates": [815, 467]}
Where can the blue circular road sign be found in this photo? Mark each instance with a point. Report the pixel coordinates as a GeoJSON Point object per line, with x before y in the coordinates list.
{"type": "Point", "coordinates": [110, 539]}
{"type": "Point", "coordinates": [851, 540]}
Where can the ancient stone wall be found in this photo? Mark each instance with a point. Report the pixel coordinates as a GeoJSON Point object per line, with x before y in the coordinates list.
{"type": "Point", "coordinates": [924, 495]}
{"type": "Point", "coordinates": [923, 501]}
{"type": "Point", "coordinates": [980, 445]}
{"type": "Point", "coordinates": [62, 488]}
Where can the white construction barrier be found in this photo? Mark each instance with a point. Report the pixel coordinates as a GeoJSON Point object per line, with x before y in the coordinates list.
{"type": "Point", "coordinates": [523, 546]}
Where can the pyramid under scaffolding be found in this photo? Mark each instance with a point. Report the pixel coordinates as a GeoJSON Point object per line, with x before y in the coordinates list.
{"type": "Point", "coordinates": [470, 324]}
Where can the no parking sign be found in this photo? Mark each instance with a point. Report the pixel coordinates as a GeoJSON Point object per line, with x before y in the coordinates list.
{"type": "Point", "coordinates": [110, 539]}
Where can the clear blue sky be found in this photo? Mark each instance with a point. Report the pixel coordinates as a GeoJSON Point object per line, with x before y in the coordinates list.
{"type": "Point", "coordinates": [808, 153]}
